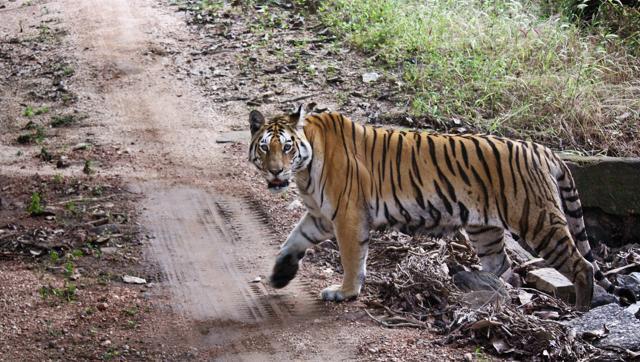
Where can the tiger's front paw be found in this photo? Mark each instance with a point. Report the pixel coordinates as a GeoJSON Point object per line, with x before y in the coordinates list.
{"type": "Point", "coordinates": [285, 270]}
{"type": "Point", "coordinates": [335, 293]}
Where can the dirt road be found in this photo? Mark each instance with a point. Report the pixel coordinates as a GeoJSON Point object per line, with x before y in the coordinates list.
{"type": "Point", "coordinates": [206, 237]}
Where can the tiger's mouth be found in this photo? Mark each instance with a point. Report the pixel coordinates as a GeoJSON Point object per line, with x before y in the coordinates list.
{"type": "Point", "coordinates": [277, 185]}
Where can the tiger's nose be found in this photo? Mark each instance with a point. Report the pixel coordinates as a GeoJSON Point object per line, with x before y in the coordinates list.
{"type": "Point", "coordinates": [276, 172]}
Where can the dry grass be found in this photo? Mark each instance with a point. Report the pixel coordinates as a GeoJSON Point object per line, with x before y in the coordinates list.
{"type": "Point", "coordinates": [503, 67]}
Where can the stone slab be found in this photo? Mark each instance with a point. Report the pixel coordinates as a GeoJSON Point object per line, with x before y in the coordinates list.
{"type": "Point", "coordinates": [552, 282]}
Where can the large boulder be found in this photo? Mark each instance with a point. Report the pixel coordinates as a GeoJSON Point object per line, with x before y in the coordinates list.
{"type": "Point", "coordinates": [621, 325]}
{"type": "Point", "coordinates": [610, 194]}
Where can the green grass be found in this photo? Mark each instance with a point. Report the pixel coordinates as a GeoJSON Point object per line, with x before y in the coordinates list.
{"type": "Point", "coordinates": [503, 67]}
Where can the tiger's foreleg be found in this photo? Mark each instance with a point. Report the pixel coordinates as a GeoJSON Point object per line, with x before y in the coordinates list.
{"type": "Point", "coordinates": [309, 231]}
{"type": "Point", "coordinates": [352, 234]}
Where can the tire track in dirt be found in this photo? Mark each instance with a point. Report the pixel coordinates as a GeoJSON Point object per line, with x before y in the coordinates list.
{"type": "Point", "coordinates": [209, 243]}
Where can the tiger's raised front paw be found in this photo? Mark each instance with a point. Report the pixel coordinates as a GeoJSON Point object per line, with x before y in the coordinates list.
{"type": "Point", "coordinates": [335, 293]}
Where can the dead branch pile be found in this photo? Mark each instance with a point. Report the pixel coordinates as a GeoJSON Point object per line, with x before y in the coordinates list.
{"type": "Point", "coordinates": [410, 284]}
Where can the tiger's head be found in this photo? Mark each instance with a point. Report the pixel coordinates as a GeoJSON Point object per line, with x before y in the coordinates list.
{"type": "Point", "coordinates": [278, 147]}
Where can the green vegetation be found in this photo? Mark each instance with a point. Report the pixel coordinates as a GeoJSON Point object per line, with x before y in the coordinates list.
{"type": "Point", "coordinates": [30, 111]}
{"type": "Point", "coordinates": [66, 293]}
{"type": "Point", "coordinates": [35, 206]}
{"type": "Point", "coordinates": [516, 68]}
{"type": "Point", "coordinates": [36, 136]}
{"type": "Point", "coordinates": [87, 169]}
{"type": "Point", "coordinates": [62, 120]}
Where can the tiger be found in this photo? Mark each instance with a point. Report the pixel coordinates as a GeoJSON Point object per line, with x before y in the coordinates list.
{"type": "Point", "coordinates": [355, 178]}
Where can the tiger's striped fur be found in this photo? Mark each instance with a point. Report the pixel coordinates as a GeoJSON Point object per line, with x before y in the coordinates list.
{"type": "Point", "coordinates": [354, 178]}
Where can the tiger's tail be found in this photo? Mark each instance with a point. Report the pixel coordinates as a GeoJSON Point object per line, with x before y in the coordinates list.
{"type": "Point", "coordinates": [573, 211]}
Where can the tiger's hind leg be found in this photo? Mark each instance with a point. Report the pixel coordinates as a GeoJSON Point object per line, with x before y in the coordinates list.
{"type": "Point", "coordinates": [554, 243]}
{"type": "Point", "coordinates": [352, 234]}
{"type": "Point", "coordinates": [489, 244]}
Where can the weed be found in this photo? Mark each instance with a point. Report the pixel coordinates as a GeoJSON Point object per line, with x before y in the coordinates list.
{"type": "Point", "coordinates": [37, 136]}
{"type": "Point", "coordinates": [68, 269]}
{"type": "Point", "coordinates": [54, 256]}
{"type": "Point", "coordinates": [62, 120]}
{"type": "Point", "coordinates": [131, 312]}
{"type": "Point", "coordinates": [76, 253]}
{"type": "Point", "coordinates": [87, 169]}
{"type": "Point", "coordinates": [58, 178]}
{"type": "Point", "coordinates": [45, 155]}
{"type": "Point", "coordinates": [67, 293]}
{"type": "Point", "coordinates": [97, 191]}
{"type": "Point", "coordinates": [35, 206]}
{"type": "Point", "coordinates": [71, 207]}
{"type": "Point", "coordinates": [68, 71]}
{"type": "Point", "coordinates": [28, 112]}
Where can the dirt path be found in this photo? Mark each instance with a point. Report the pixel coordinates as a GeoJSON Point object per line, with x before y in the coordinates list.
{"type": "Point", "coordinates": [207, 239]}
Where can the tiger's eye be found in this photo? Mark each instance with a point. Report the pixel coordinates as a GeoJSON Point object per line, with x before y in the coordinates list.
{"type": "Point", "coordinates": [287, 148]}
{"type": "Point", "coordinates": [264, 147]}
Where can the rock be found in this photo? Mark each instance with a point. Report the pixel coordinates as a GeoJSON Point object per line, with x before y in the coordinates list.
{"type": "Point", "coordinates": [102, 306]}
{"type": "Point", "coordinates": [552, 282]}
{"type": "Point", "coordinates": [470, 281]}
{"type": "Point", "coordinates": [631, 282]}
{"type": "Point", "coordinates": [295, 204]}
{"type": "Point", "coordinates": [370, 77]}
{"type": "Point", "coordinates": [63, 162]}
{"type": "Point", "coordinates": [106, 343]}
{"type": "Point", "coordinates": [109, 250]}
{"type": "Point", "coordinates": [133, 280]}
{"type": "Point", "coordinates": [480, 287]}
{"type": "Point", "coordinates": [608, 183]}
{"type": "Point", "coordinates": [633, 308]}
{"type": "Point", "coordinates": [610, 195]}
{"type": "Point", "coordinates": [234, 137]}
{"type": "Point", "coordinates": [256, 280]}
{"type": "Point", "coordinates": [623, 327]}
{"type": "Point", "coordinates": [601, 297]}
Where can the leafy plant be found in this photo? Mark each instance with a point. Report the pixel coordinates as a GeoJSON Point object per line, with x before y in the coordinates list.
{"type": "Point", "coordinates": [54, 256]}
{"type": "Point", "coordinates": [87, 169]}
{"type": "Point", "coordinates": [35, 206]}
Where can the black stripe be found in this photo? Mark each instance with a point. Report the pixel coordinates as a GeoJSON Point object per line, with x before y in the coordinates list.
{"type": "Point", "coordinates": [417, 192]}
{"type": "Point", "coordinates": [463, 174]}
{"type": "Point", "coordinates": [447, 203]}
{"type": "Point", "coordinates": [399, 161]}
{"type": "Point", "coordinates": [309, 239]}
{"type": "Point", "coordinates": [464, 213]}
{"type": "Point", "coordinates": [465, 156]}
{"type": "Point", "coordinates": [482, 159]}
{"type": "Point", "coordinates": [414, 165]}
{"type": "Point", "coordinates": [577, 213]}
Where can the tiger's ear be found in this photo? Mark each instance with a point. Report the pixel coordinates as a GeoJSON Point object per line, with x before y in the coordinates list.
{"type": "Point", "coordinates": [297, 118]}
{"type": "Point", "coordinates": [256, 120]}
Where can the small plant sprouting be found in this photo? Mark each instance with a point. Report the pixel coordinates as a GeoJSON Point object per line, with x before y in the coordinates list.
{"type": "Point", "coordinates": [28, 112]}
{"type": "Point", "coordinates": [54, 256]}
{"type": "Point", "coordinates": [68, 269]}
{"type": "Point", "coordinates": [35, 206]}
{"type": "Point", "coordinates": [68, 71]}
{"type": "Point", "coordinates": [45, 155]}
{"type": "Point", "coordinates": [58, 178]}
{"type": "Point", "coordinates": [88, 170]}
{"type": "Point", "coordinates": [67, 293]}
{"type": "Point", "coordinates": [71, 207]}
{"type": "Point", "coordinates": [62, 120]}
